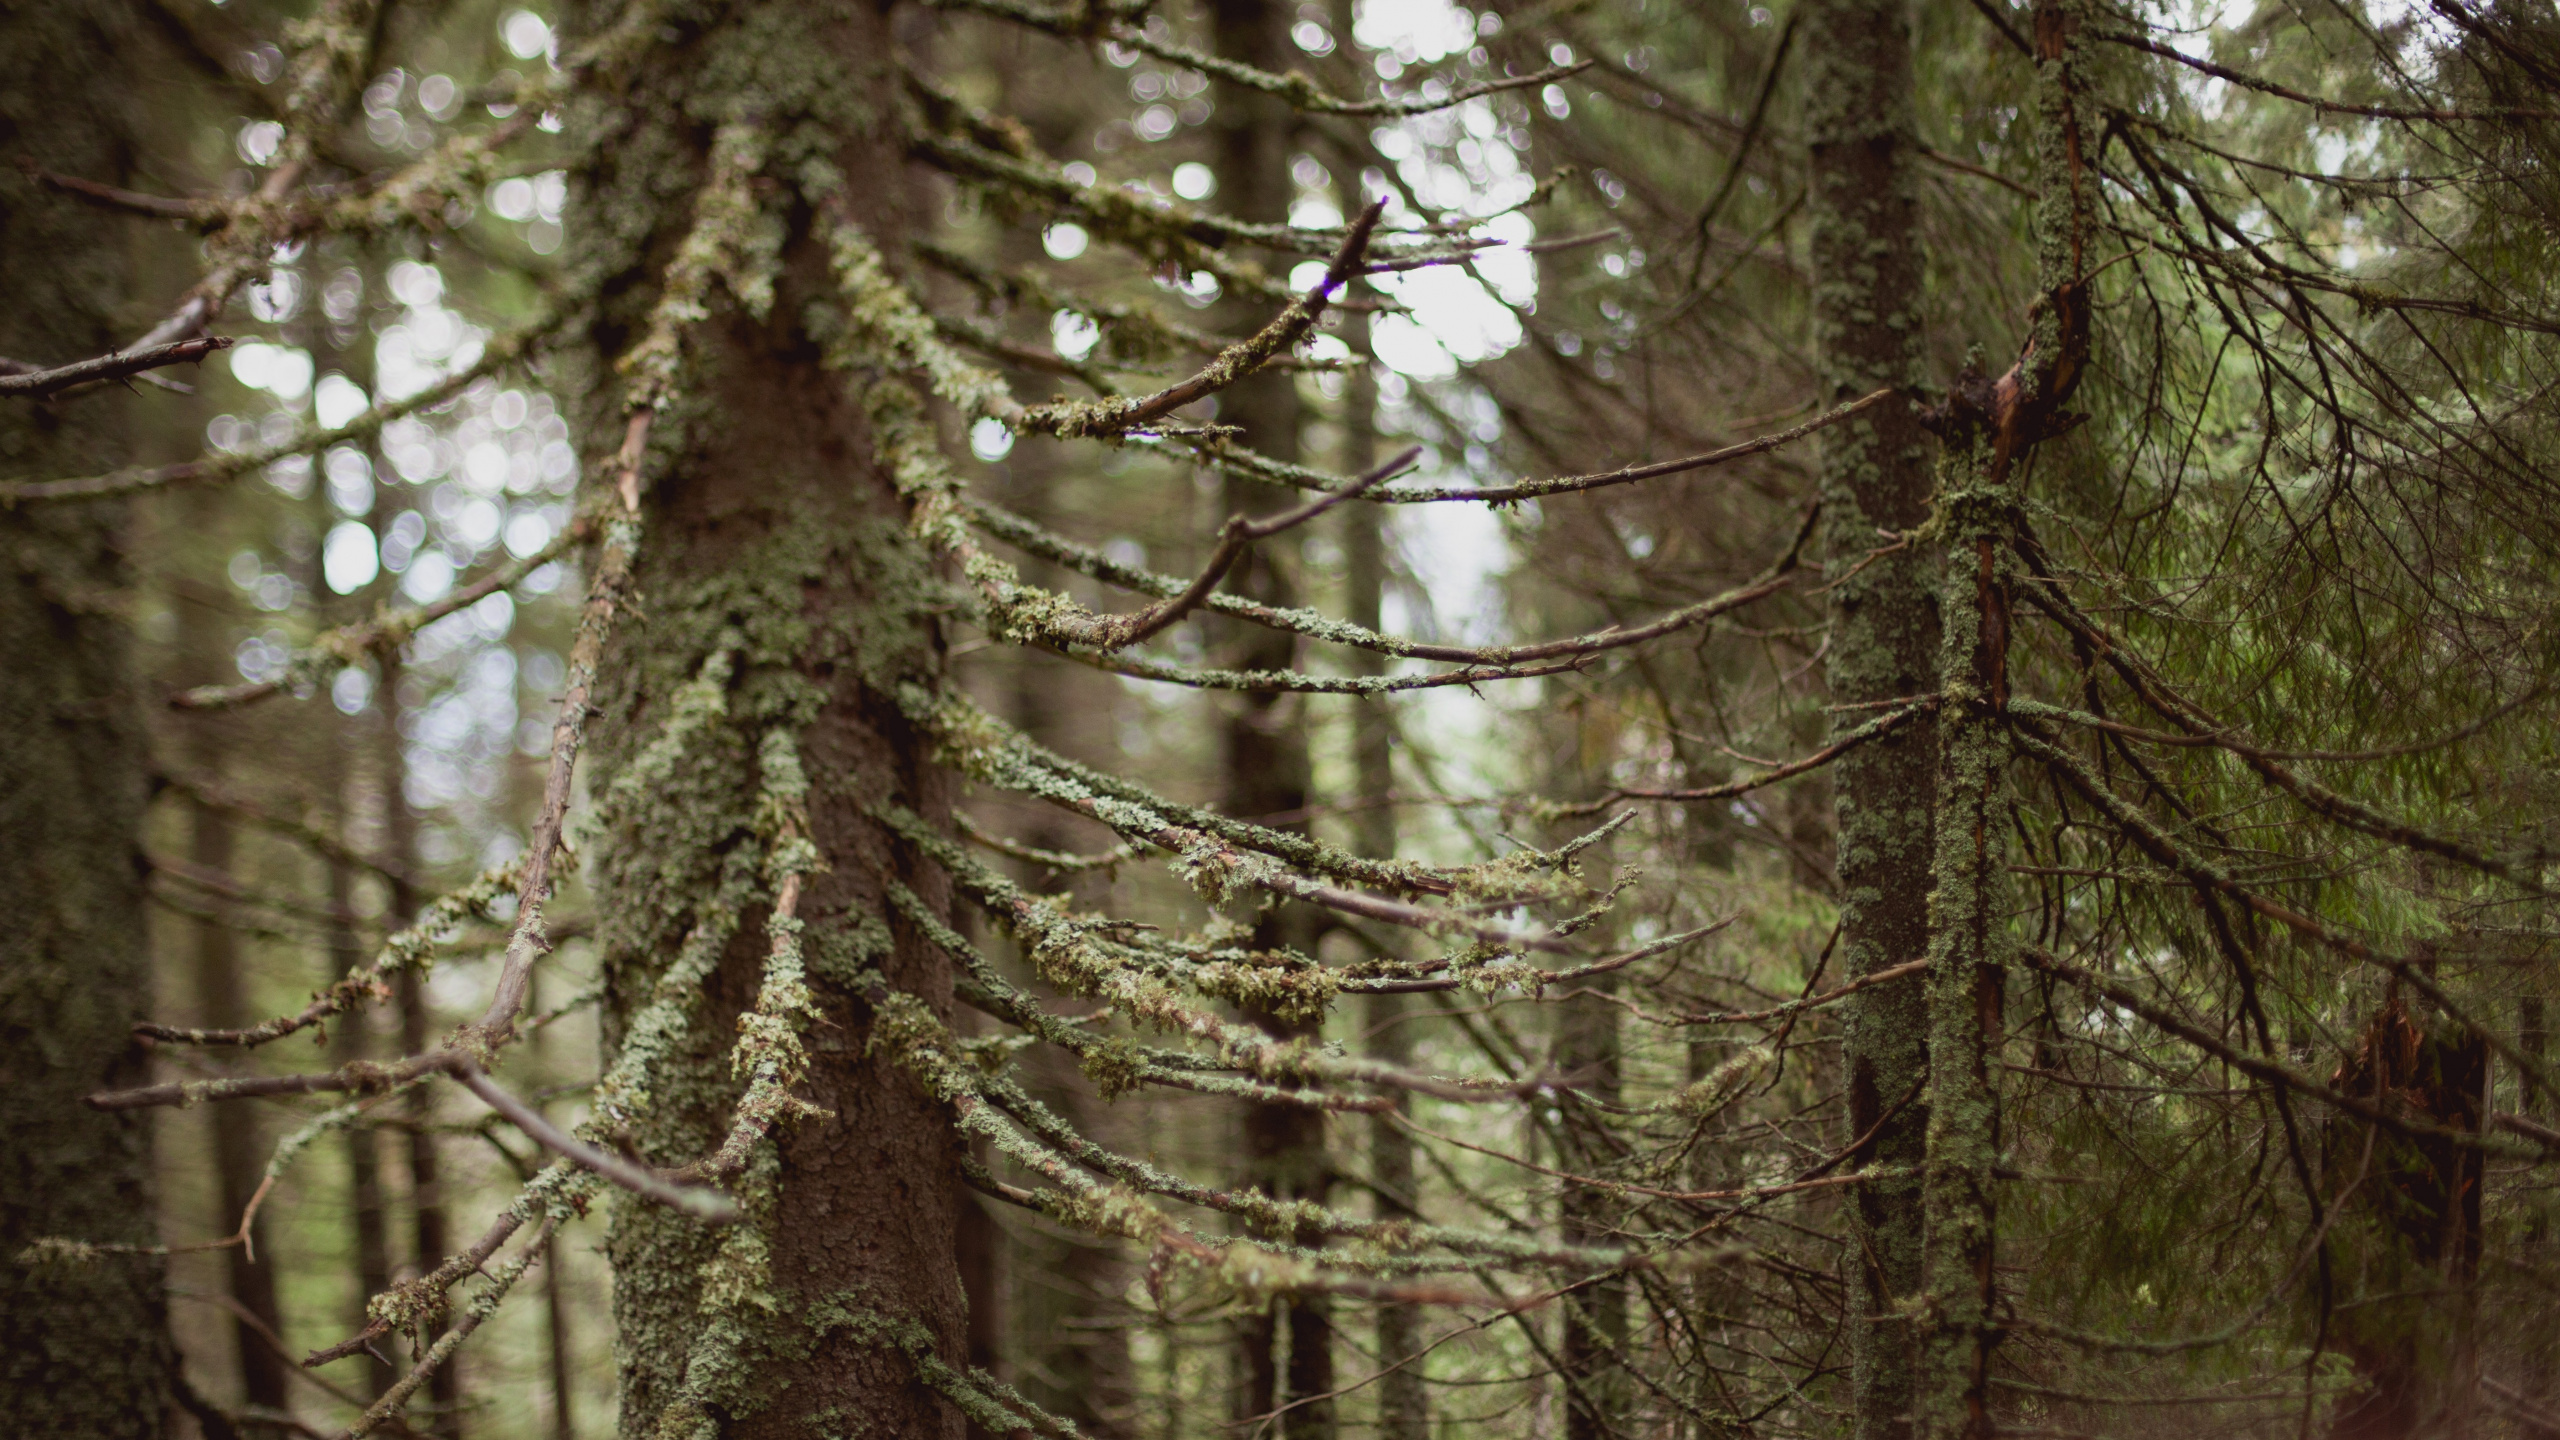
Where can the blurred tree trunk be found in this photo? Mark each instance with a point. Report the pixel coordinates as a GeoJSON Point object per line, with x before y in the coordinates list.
{"type": "Point", "coordinates": [1074, 1329]}
{"type": "Point", "coordinates": [1589, 1056]}
{"type": "Point", "coordinates": [430, 1235]}
{"type": "Point", "coordinates": [1286, 1350]}
{"type": "Point", "coordinates": [84, 1345]}
{"type": "Point", "coordinates": [1868, 264]}
{"type": "Point", "coordinates": [774, 532]}
{"type": "Point", "coordinates": [1404, 1405]}
{"type": "Point", "coordinates": [344, 741]}
{"type": "Point", "coordinates": [240, 1154]}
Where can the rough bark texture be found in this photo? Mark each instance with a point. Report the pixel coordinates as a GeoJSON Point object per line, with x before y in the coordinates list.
{"type": "Point", "coordinates": [1968, 945]}
{"type": "Point", "coordinates": [773, 534]}
{"type": "Point", "coordinates": [1286, 1351]}
{"type": "Point", "coordinates": [1875, 477]}
{"type": "Point", "coordinates": [84, 1345]}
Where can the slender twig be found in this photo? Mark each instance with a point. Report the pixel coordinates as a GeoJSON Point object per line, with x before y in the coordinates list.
{"type": "Point", "coordinates": [386, 631]}
{"type": "Point", "coordinates": [1114, 417]}
{"type": "Point", "coordinates": [703, 1204]}
{"type": "Point", "coordinates": [1234, 538]}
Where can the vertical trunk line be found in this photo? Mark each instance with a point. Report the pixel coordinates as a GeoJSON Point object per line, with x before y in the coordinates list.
{"type": "Point", "coordinates": [1966, 965]}
{"type": "Point", "coordinates": [1285, 1352]}
{"type": "Point", "coordinates": [1868, 265]}
{"type": "Point", "coordinates": [1404, 1405]}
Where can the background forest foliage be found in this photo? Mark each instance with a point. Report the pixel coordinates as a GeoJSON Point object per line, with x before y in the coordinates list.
{"type": "Point", "coordinates": [1301, 719]}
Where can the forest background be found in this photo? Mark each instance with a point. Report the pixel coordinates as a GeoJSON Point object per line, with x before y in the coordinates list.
{"type": "Point", "coordinates": [1706, 720]}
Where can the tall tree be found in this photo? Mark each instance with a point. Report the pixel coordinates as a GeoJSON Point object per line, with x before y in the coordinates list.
{"type": "Point", "coordinates": [1870, 323]}
{"type": "Point", "coordinates": [751, 730]}
{"type": "Point", "coordinates": [84, 1343]}
{"type": "Point", "coordinates": [1285, 1348]}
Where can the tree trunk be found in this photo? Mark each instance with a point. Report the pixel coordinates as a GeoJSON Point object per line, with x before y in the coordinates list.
{"type": "Point", "coordinates": [84, 1344]}
{"type": "Point", "coordinates": [1286, 1350]}
{"type": "Point", "coordinates": [368, 1224]}
{"type": "Point", "coordinates": [1075, 1329]}
{"type": "Point", "coordinates": [1968, 945]}
{"type": "Point", "coordinates": [240, 1156]}
{"type": "Point", "coordinates": [1588, 1055]}
{"type": "Point", "coordinates": [774, 533]}
{"type": "Point", "coordinates": [1404, 1405]}
{"type": "Point", "coordinates": [430, 1236]}
{"type": "Point", "coordinates": [1868, 265]}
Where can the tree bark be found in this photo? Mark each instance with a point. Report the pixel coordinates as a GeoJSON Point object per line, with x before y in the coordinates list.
{"type": "Point", "coordinates": [1868, 265]}
{"type": "Point", "coordinates": [84, 1344]}
{"type": "Point", "coordinates": [1968, 946]}
{"type": "Point", "coordinates": [773, 532]}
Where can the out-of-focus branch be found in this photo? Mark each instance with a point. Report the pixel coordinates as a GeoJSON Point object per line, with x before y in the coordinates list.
{"type": "Point", "coordinates": [39, 384]}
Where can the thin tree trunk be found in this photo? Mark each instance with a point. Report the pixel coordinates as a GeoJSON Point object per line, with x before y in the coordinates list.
{"type": "Point", "coordinates": [1589, 1056]}
{"type": "Point", "coordinates": [555, 1282]}
{"type": "Point", "coordinates": [368, 1223]}
{"type": "Point", "coordinates": [84, 1346]}
{"type": "Point", "coordinates": [430, 1235]}
{"type": "Point", "coordinates": [369, 1232]}
{"type": "Point", "coordinates": [1075, 1336]}
{"type": "Point", "coordinates": [1286, 1350]}
{"type": "Point", "coordinates": [772, 532]}
{"type": "Point", "coordinates": [240, 1158]}
{"type": "Point", "coordinates": [1868, 264]}
{"type": "Point", "coordinates": [1404, 1405]}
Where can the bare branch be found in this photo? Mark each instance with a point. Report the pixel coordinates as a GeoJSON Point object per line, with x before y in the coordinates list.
{"type": "Point", "coordinates": [1238, 535]}
{"type": "Point", "coordinates": [39, 384]}
{"type": "Point", "coordinates": [710, 1206]}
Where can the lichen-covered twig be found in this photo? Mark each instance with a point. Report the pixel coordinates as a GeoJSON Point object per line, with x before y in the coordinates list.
{"type": "Point", "coordinates": [1234, 538]}
{"type": "Point", "coordinates": [500, 353]}
{"type": "Point", "coordinates": [39, 384]}
{"type": "Point", "coordinates": [1119, 416]}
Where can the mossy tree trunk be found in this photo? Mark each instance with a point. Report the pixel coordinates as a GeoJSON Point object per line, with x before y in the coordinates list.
{"type": "Point", "coordinates": [1868, 267]}
{"type": "Point", "coordinates": [84, 1344]}
{"type": "Point", "coordinates": [774, 538]}
{"type": "Point", "coordinates": [1968, 945]}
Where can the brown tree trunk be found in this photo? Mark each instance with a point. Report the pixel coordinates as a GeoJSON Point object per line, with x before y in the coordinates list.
{"type": "Point", "coordinates": [84, 1345]}
{"type": "Point", "coordinates": [773, 532]}
{"type": "Point", "coordinates": [240, 1156]}
{"type": "Point", "coordinates": [430, 1235]}
{"type": "Point", "coordinates": [1404, 1406]}
{"type": "Point", "coordinates": [1075, 1335]}
{"type": "Point", "coordinates": [1285, 1352]}
{"type": "Point", "coordinates": [1876, 476]}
